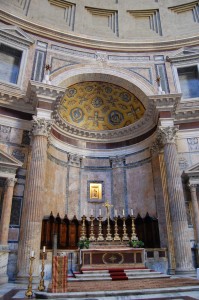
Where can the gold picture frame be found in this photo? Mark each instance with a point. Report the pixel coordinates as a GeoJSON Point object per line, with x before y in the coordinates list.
{"type": "Point", "coordinates": [95, 191]}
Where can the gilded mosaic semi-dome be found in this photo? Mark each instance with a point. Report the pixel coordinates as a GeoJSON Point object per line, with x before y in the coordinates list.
{"type": "Point", "coordinates": [100, 106]}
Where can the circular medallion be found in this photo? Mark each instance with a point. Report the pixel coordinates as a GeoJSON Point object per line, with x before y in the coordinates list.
{"type": "Point", "coordinates": [77, 115]}
{"type": "Point", "coordinates": [115, 117]}
{"type": "Point", "coordinates": [112, 258]}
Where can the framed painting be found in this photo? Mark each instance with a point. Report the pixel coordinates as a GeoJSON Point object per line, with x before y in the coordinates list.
{"type": "Point", "coordinates": [95, 191]}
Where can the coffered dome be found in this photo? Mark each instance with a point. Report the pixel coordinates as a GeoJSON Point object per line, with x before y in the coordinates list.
{"type": "Point", "coordinates": [100, 106]}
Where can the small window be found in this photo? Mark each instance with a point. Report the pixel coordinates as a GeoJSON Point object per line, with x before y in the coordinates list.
{"type": "Point", "coordinates": [10, 60]}
{"type": "Point", "coordinates": [189, 81]}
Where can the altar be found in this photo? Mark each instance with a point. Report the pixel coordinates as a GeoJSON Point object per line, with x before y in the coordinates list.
{"type": "Point", "coordinates": [104, 258]}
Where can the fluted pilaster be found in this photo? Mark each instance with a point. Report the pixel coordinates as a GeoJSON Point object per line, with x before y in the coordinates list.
{"type": "Point", "coordinates": [195, 207]}
{"type": "Point", "coordinates": [176, 200]}
{"type": "Point", "coordinates": [34, 199]}
{"type": "Point", "coordinates": [6, 210]}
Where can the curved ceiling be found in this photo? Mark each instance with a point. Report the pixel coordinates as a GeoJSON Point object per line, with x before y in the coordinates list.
{"type": "Point", "coordinates": [100, 106]}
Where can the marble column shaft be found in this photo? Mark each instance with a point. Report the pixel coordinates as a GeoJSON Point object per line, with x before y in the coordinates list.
{"type": "Point", "coordinates": [195, 207]}
{"type": "Point", "coordinates": [34, 200]}
{"type": "Point", "coordinates": [177, 204]}
{"type": "Point", "coordinates": [6, 211]}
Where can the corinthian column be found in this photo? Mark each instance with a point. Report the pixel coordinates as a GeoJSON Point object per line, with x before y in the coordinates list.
{"type": "Point", "coordinates": [6, 211]}
{"type": "Point", "coordinates": [195, 207]}
{"type": "Point", "coordinates": [34, 199]}
{"type": "Point", "coordinates": [182, 245]}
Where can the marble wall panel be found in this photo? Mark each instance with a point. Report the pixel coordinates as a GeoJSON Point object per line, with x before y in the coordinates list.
{"type": "Point", "coordinates": [96, 162]}
{"type": "Point", "coordinates": [55, 188]}
{"type": "Point", "coordinates": [140, 190]}
{"type": "Point", "coordinates": [16, 135]}
{"type": "Point", "coordinates": [13, 235]}
{"type": "Point", "coordinates": [3, 266]}
{"type": "Point", "coordinates": [138, 156]}
{"type": "Point", "coordinates": [73, 194]}
{"type": "Point", "coordinates": [95, 175]}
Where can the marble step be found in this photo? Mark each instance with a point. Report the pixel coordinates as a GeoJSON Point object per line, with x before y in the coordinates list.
{"type": "Point", "coordinates": [104, 275]}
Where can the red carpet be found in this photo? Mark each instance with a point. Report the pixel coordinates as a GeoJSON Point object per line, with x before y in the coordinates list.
{"type": "Point", "coordinates": [118, 274]}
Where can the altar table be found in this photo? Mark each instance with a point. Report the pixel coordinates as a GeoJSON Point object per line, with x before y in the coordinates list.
{"type": "Point", "coordinates": [123, 258]}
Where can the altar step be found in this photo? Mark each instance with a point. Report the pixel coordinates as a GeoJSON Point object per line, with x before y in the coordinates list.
{"type": "Point", "coordinates": [130, 274]}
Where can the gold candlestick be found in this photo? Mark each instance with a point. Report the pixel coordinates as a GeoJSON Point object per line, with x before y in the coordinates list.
{"type": "Point", "coordinates": [124, 236]}
{"type": "Point", "coordinates": [29, 291]}
{"type": "Point", "coordinates": [83, 233]}
{"type": "Point", "coordinates": [92, 237]}
{"type": "Point", "coordinates": [100, 235]}
{"type": "Point", "coordinates": [133, 236]}
{"type": "Point", "coordinates": [116, 235]}
{"type": "Point", "coordinates": [41, 286]}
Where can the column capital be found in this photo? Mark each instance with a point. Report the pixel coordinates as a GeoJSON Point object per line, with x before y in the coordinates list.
{"type": "Point", "coordinates": [41, 126]}
{"type": "Point", "coordinates": [10, 182]}
{"type": "Point", "coordinates": [167, 135]}
{"type": "Point", "coordinates": [192, 187]}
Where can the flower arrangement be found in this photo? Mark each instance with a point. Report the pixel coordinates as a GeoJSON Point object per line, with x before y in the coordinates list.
{"type": "Point", "coordinates": [136, 244]}
{"type": "Point", "coordinates": [83, 244]}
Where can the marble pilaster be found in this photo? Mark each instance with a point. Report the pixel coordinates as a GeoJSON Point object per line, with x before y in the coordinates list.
{"type": "Point", "coordinates": [6, 211]}
{"type": "Point", "coordinates": [34, 199]}
{"type": "Point", "coordinates": [195, 207]}
{"type": "Point", "coordinates": [182, 246]}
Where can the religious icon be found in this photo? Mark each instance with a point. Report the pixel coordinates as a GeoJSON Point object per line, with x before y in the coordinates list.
{"type": "Point", "coordinates": [95, 191]}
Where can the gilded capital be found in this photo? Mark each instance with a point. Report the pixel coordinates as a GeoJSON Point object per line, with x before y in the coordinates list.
{"type": "Point", "coordinates": [167, 135]}
{"type": "Point", "coordinates": [41, 126]}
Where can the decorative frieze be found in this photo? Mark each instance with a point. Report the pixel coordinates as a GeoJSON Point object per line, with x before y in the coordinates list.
{"type": "Point", "coordinates": [41, 126]}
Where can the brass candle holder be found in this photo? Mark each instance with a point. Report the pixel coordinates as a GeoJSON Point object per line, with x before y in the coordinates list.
{"type": "Point", "coordinates": [100, 235]}
{"type": "Point", "coordinates": [92, 237]}
{"type": "Point", "coordinates": [124, 236]}
{"type": "Point", "coordinates": [29, 291]}
{"type": "Point", "coordinates": [134, 235]}
{"type": "Point", "coordinates": [116, 235]}
{"type": "Point", "coordinates": [41, 286]}
{"type": "Point", "coordinates": [108, 235]}
{"type": "Point", "coordinates": [83, 232]}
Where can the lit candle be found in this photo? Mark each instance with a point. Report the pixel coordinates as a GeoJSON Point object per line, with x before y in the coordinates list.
{"type": "Point", "coordinates": [100, 212]}
{"type": "Point", "coordinates": [115, 212]}
{"type": "Point", "coordinates": [44, 249]}
{"type": "Point", "coordinates": [131, 212]}
{"type": "Point", "coordinates": [91, 212]}
{"type": "Point", "coordinates": [123, 212]}
{"type": "Point", "coordinates": [32, 254]}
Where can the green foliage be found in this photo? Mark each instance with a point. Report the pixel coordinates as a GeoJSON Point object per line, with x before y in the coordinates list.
{"type": "Point", "coordinates": [136, 244]}
{"type": "Point", "coordinates": [83, 244]}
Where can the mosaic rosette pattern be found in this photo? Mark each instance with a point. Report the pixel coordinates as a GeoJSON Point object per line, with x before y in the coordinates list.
{"type": "Point", "coordinates": [100, 106]}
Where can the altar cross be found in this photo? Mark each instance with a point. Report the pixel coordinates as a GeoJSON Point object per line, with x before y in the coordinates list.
{"type": "Point", "coordinates": [107, 205]}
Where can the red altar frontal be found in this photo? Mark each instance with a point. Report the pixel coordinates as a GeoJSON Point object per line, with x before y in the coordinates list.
{"type": "Point", "coordinates": [104, 258]}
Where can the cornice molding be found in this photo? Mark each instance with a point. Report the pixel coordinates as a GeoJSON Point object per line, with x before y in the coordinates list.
{"type": "Point", "coordinates": [84, 41]}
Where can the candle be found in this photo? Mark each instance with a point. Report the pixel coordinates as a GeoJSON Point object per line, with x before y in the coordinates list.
{"type": "Point", "coordinates": [100, 212]}
{"type": "Point", "coordinates": [32, 254]}
{"type": "Point", "coordinates": [131, 212]}
{"type": "Point", "coordinates": [123, 212]}
{"type": "Point", "coordinates": [115, 212]}
{"type": "Point", "coordinates": [84, 212]}
{"type": "Point", "coordinates": [91, 212]}
{"type": "Point", "coordinates": [44, 249]}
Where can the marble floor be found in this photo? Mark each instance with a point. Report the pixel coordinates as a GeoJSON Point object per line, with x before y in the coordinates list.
{"type": "Point", "coordinates": [175, 288]}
